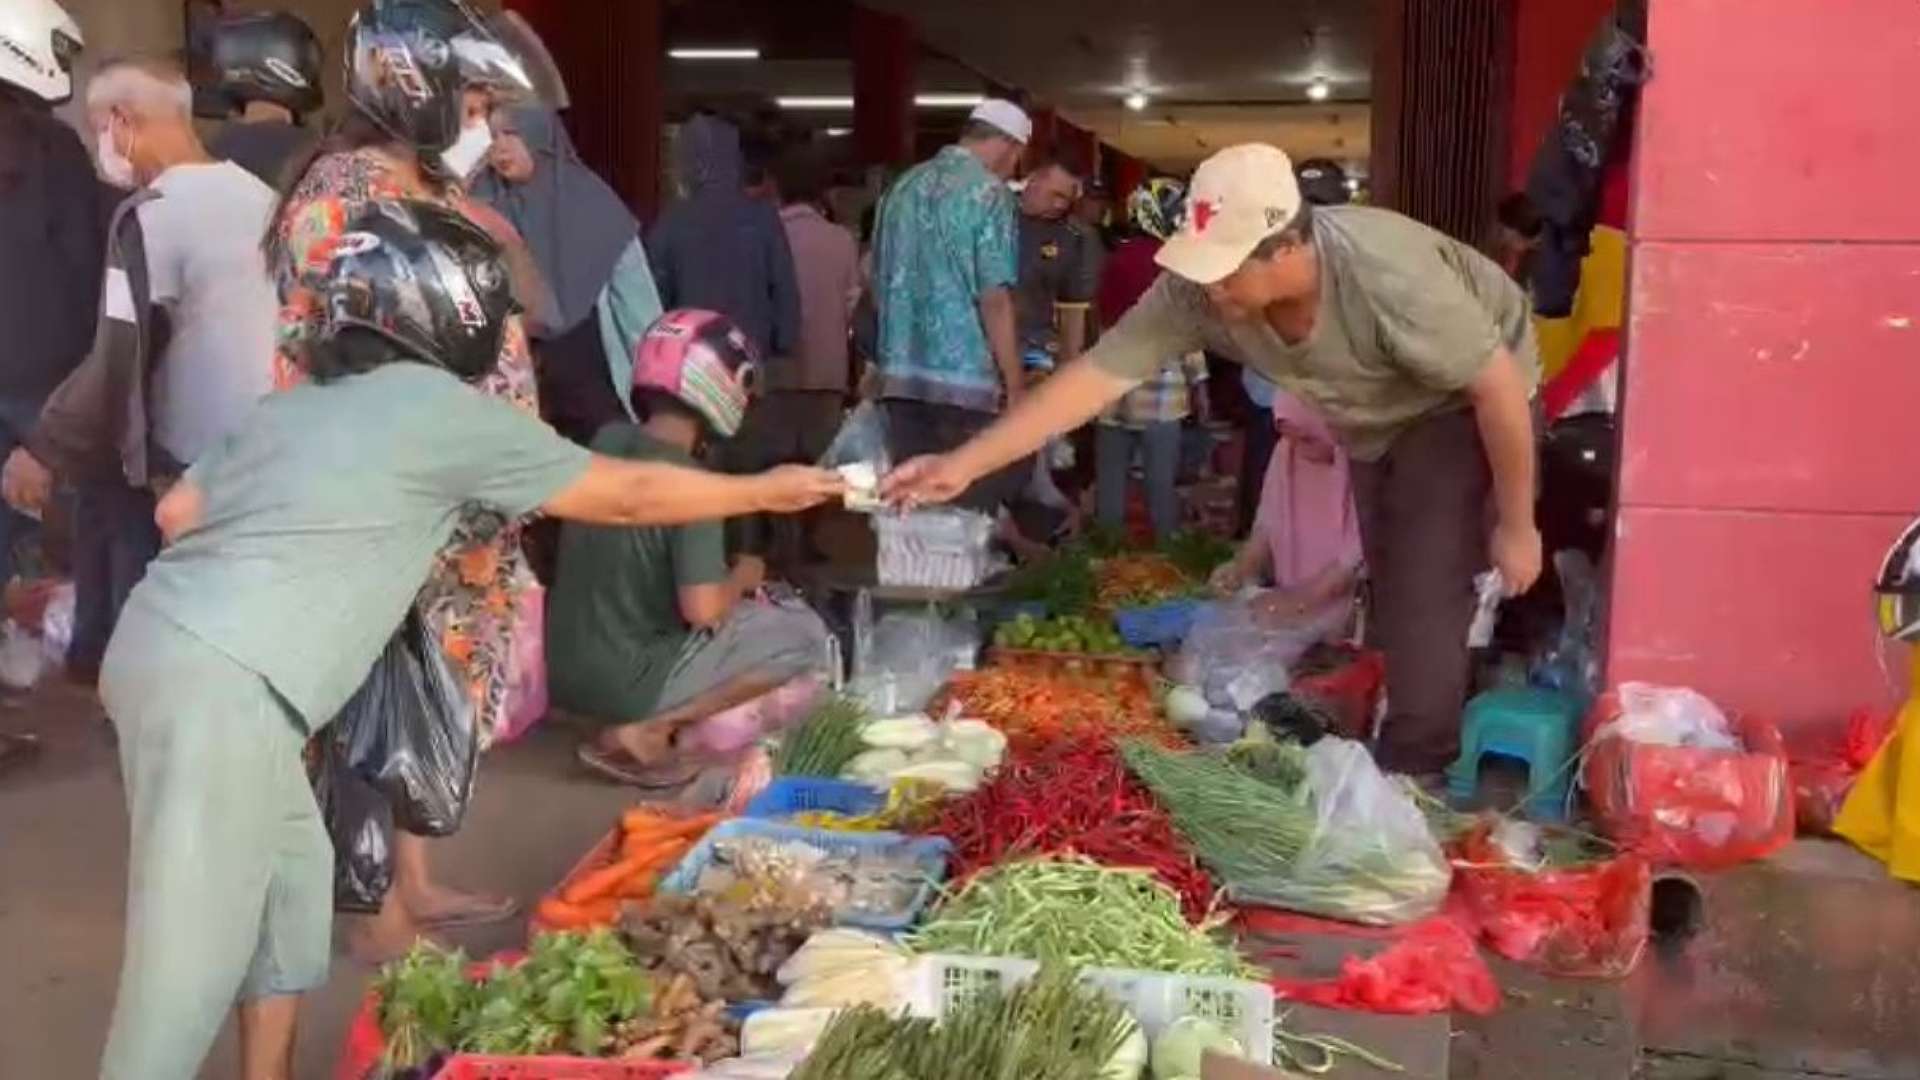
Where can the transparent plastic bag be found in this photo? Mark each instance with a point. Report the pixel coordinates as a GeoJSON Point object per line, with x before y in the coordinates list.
{"type": "Point", "coordinates": [1569, 663]}
{"type": "Point", "coordinates": [1236, 656]}
{"type": "Point", "coordinates": [907, 658]}
{"type": "Point", "coordinates": [1372, 858]}
{"type": "Point", "coordinates": [22, 658]}
{"type": "Point", "coordinates": [1670, 716]}
{"type": "Point", "coordinates": [410, 732]}
{"type": "Point", "coordinates": [859, 453]}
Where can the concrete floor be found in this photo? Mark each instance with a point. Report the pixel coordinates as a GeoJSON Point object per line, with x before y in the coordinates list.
{"type": "Point", "coordinates": [1809, 965]}
{"type": "Point", "coordinates": [63, 876]}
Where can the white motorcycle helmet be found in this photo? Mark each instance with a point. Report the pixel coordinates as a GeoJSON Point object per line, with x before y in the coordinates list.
{"type": "Point", "coordinates": [38, 43]}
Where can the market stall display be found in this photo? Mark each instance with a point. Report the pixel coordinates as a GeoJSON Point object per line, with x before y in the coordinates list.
{"type": "Point", "coordinates": [823, 743]}
{"type": "Point", "coordinates": [728, 947]}
{"type": "Point", "coordinates": [954, 754]}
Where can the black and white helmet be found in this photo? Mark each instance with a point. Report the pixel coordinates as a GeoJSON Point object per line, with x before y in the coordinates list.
{"type": "Point", "coordinates": [409, 61]}
{"type": "Point", "coordinates": [425, 278]}
{"type": "Point", "coordinates": [268, 56]}
{"type": "Point", "coordinates": [38, 44]}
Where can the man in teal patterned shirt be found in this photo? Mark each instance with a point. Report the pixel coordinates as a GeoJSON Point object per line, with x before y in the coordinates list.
{"type": "Point", "coordinates": [946, 259]}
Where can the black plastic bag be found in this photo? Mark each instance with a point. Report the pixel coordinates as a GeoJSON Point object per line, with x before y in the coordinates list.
{"type": "Point", "coordinates": [360, 823]}
{"type": "Point", "coordinates": [410, 732]}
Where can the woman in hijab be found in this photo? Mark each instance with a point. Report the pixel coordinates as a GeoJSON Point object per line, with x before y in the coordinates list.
{"type": "Point", "coordinates": [587, 246]}
{"type": "Point", "coordinates": [1306, 536]}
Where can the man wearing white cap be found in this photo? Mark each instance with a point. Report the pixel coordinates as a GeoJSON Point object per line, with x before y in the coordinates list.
{"type": "Point", "coordinates": [945, 264]}
{"type": "Point", "coordinates": [1417, 350]}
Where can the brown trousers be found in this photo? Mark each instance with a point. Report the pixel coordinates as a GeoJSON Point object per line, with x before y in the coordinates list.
{"type": "Point", "coordinates": [1423, 522]}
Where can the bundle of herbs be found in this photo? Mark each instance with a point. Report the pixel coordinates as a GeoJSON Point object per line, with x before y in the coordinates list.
{"type": "Point", "coordinates": [823, 743]}
{"type": "Point", "coordinates": [1241, 825]}
{"type": "Point", "coordinates": [568, 996]}
{"type": "Point", "coordinates": [1048, 1028]}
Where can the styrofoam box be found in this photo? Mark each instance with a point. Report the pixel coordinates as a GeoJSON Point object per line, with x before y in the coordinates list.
{"type": "Point", "coordinates": [947, 549]}
{"type": "Point", "coordinates": [937, 981]}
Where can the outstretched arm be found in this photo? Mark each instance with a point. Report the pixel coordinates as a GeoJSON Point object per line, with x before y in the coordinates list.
{"type": "Point", "coordinates": [614, 491]}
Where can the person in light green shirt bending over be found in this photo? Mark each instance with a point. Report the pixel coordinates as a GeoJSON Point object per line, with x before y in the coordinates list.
{"type": "Point", "coordinates": [296, 548]}
{"type": "Point", "coordinates": [1417, 350]}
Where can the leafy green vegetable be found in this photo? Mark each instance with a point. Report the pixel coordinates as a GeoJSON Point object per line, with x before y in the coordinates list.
{"type": "Point", "coordinates": [567, 996]}
{"type": "Point", "coordinates": [1065, 582]}
{"type": "Point", "coordinates": [1197, 553]}
{"type": "Point", "coordinates": [425, 1002]}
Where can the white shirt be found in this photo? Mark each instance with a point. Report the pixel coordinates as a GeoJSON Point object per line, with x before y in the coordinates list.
{"type": "Point", "coordinates": [205, 268]}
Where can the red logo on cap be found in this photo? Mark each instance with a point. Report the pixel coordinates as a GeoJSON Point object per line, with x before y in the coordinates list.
{"type": "Point", "coordinates": [1202, 213]}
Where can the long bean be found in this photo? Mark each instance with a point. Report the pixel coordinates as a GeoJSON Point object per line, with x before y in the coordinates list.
{"type": "Point", "coordinates": [1078, 913]}
{"type": "Point", "coordinates": [823, 743]}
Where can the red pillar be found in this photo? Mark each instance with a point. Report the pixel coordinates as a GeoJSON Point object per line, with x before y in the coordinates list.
{"type": "Point", "coordinates": [611, 53]}
{"type": "Point", "coordinates": [1770, 376]}
{"type": "Point", "coordinates": [884, 51]}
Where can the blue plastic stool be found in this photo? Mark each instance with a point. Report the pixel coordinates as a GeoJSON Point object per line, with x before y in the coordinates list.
{"type": "Point", "coordinates": [1535, 726]}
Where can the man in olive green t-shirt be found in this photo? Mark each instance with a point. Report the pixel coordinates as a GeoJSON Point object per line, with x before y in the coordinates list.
{"type": "Point", "coordinates": [1418, 351]}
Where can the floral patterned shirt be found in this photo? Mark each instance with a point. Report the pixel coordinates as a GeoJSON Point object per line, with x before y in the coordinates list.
{"type": "Point", "coordinates": [946, 236]}
{"type": "Point", "coordinates": [471, 597]}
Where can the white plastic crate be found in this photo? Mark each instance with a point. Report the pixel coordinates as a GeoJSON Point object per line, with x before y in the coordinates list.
{"type": "Point", "coordinates": [938, 981]}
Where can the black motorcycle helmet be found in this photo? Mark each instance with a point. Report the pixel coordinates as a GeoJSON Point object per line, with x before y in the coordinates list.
{"type": "Point", "coordinates": [409, 61]}
{"type": "Point", "coordinates": [1897, 588]}
{"type": "Point", "coordinates": [268, 56]}
{"type": "Point", "coordinates": [413, 281]}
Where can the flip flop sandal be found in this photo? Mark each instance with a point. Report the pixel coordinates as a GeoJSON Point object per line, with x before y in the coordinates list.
{"type": "Point", "coordinates": [622, 769]}
{"type": "Point", "coordinates": [501, 910]}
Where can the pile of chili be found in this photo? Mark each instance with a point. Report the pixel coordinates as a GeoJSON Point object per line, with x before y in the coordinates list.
{"type": "Point", "coordinates": [1072, 796]}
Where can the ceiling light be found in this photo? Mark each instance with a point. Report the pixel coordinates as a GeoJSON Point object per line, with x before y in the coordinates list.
{"type": "Point", "coordinates": [838, 132]}
{"type": "Point", "coordinates": [1353, 183]}
{"type": "Point", "coordinates": [1319, 90]}
{"type": "Point", "coordinates": [746, 52]}
{"type": "Point", "coordinates": [814, 101]}
{"type": "Point", "coordinates": [948, 101]}
{"type": "Point", "coordinates": [1137, 101]}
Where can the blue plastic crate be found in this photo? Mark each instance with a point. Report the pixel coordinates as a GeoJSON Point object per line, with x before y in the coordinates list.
{"type": "Point", "coordinates": [790, 795]}
{"type": "Point", "coordinates": [1161, 625]}
{"type": "Point", "coordinates": [928, 853]}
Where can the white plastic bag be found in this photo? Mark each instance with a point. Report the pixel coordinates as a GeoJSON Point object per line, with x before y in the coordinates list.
{"type": "Point", "coordinates": [1670, 716]}
{"type": "Point", "coordinates": [1371, 860]}
{"type": "Point", "coordinates": [859, 453]}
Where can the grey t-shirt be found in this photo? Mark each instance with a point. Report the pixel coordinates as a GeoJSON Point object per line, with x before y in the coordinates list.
{"type": "Point", "coordinates": [323, 513]}
{"type": "Point", "coordinates": [1408, 318]}
{"type": "Point", "coordinates": [205, 269]}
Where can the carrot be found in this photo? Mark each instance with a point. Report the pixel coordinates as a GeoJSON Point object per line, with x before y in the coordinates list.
{"type": "Point", "coordinates": [638, 887]}
{"type": "Point", "coordinates": [560, 915]}
{"type": "Point", "coordinates": [601, 883]}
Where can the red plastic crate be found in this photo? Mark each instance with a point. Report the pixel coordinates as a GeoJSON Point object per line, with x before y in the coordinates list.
{"type": "Point", "coordinates": [477, 1067]}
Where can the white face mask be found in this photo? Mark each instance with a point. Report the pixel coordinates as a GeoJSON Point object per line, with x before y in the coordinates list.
{"type": "Point", "coordinates": [463, 158]}
{"type": "Point", "coordinates": [115, 168]}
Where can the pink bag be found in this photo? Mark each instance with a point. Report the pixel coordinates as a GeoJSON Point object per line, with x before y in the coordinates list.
{"type": "Point", "coordinates": [526, 700]}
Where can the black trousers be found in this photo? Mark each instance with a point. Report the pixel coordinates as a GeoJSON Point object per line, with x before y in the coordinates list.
{"type": "Point", "coordinates": [1423, 522]}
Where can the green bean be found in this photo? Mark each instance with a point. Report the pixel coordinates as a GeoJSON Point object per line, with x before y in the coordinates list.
{"type": "Point", "coordinates": [1076, 912]}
